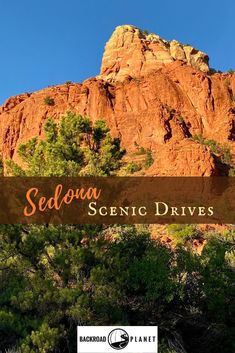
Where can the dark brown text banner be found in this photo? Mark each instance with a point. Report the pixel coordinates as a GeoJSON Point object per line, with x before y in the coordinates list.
{"type": "Point", "coordinates": [113, 200]}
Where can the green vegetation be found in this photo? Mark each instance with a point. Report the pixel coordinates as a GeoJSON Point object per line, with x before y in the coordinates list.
{"type": "Point", "coordinates": [49, 101]}
{"type": "Point", "coordinates": [140, 150]}
{"type": "Point", "coordinates": [1, 168]}
{"type": "Point", "coordinates": [132, 167]}
{"type": "Point", "coordinates": [180, 119]}
{"type": "Point", "coordinates": [53, 278]}
{"type": "Point", "coordinates": [228, 82]}
{"type": "Point", "coordinates": [145, 32]}
{"type": "Point", "coordinates": [183, 233]}
{"type": "Point", "coordinates": [149, 159]}
{"type": "Point", "coordinates": [232, 172]}
{"type": "Point", "coordinates": [60, 276]}
{"type": "Point", "coordinates": [73, 148]}
{"type": "Point", "coordinates": [221, 150]}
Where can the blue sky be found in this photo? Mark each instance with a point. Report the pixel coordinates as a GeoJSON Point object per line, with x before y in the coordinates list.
{"type": "Point", "coordinates": [46, 42]}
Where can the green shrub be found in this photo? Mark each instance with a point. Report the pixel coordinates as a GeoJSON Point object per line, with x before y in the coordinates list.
{"type": "Point", "coordinates": [232, 172]}
{"type": "Point", "coordinates": [149, 159]}
{"type": "Point", "coordinates": [132, 167]}
{"type": "Point", "coordinates": [184, 232]}
{"type": "Point", "coordinates": [1, 168]}
{"type": "Point", "coordinates": [180, 119]}
{"type": "Point", "coordinates": [75, 147]}
{"type": "Point", "coordinates": [44, 340]}
{"type": "Point", "coordinates": [145, 32]}
{"type": "Point", "coordinates": [64, 275]}
{"type": "Point", "coordinates": [231, 71]}
{"type": "Point", "coordinates": [49, 101]}
{"type": "Point", "coordinates": [221, 150]}
{"type": "Point", "coordinates": [225, 152]}
{"type": "Point", "coordinates": [198, 138]}
{"type": "Point", "coordinates": [140, 151]}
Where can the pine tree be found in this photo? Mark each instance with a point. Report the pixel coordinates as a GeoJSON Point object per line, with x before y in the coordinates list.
{"type": "Point", "coordinates": [73, 148]}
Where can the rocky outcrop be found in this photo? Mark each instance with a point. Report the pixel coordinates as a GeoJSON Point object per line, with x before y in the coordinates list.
{"type": "Point", "coordinates": [161, 108]}
{"type": "Point", "coordinates": [184, 158]}
{"type": "Point", "coordinates": [131, 52]}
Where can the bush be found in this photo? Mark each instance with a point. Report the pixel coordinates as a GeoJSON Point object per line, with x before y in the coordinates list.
{"type": "Point", "coordinates": [44, 340]}
{"type": "Point", "coordinates": [132, 168]}
{"type": "Point", "coordinates": [140, 151]}
{"type": "Point", "coordinates": [73, 148]}
{"type": "Point", "coordinates": [149, 159]}
{"type": "Point", "coordinates": [180, 119]}
{"type": "Point", "coordinates": [145, 32]}
{"type": "Point", "coordinates": [232, 172]}
{"type": "Point", "coordinates": [49, 101]}
{"type": "Point", "coordinates": [1, 168]}
{"type": "Point", "coordinates": [184, 232]}
{"type": "Point", "coordinates": [64, 275]}
{"type": "Point", "coordinates": [231, 71]}
{"type": "Point", "coordinates": [221, 150]}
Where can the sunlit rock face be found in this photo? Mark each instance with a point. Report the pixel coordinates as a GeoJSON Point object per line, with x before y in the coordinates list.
{"type": "Point", "coordinates": [131, 52]}
{"type": "Point", "coordinates": [152, 93]}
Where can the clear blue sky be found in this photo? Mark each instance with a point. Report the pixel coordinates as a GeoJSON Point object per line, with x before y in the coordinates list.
{"type": "Point", "coordinates": [46, 42]}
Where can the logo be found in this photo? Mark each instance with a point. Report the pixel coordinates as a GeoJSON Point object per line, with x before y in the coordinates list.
{"type": "Point", "coordinates": [118, 338]}
{"type": "Point", "coordinates": [114, 339]}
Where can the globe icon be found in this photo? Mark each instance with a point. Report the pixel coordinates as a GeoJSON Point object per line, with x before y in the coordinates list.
{"type": "Point", "coordinates": [118, 339]}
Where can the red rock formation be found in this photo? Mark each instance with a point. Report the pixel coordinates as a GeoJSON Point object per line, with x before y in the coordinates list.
{"type": "Point", "coordinates": [159, 102]}
{"type": "Point", "coordinates": [181, 158]}
{"type": "Point", "coordinates": [131, 52]}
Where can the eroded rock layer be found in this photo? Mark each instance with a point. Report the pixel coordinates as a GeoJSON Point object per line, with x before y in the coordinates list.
{"type": "Point", "coordinates": [131, 52]}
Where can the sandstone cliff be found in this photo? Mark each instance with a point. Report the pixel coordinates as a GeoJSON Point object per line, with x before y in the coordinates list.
{"type": "Point", "coordinates": [131, 52]}
{"type": "Point", "coordinates": [152, 93]}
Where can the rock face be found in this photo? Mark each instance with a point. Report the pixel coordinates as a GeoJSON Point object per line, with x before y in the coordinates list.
{"type": "Point", "coordinates": [131, 52]}
{"type": "Point", "coordinates": [184, 158]}
{"type": "Point", "coordinates": [156, 98]}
